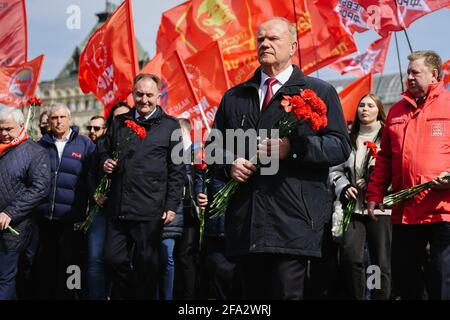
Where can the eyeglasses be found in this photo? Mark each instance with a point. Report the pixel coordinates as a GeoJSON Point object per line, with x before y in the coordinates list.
{"type": "Point", "coordinates": [7, 129]}
{"type": "Point", "coordinates": [96, 128]}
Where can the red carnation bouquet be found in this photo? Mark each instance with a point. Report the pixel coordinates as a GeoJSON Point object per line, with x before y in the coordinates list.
{"type": "Point", "coordinates": [350, 208]}
{"type": "Point", "coordinates": [304, 107]}
{"type": "Point", "coordinates": [104, 186]}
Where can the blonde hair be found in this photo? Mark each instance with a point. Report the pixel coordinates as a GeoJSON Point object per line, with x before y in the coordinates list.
{"type": "Point", "coordinates": [432, 60]}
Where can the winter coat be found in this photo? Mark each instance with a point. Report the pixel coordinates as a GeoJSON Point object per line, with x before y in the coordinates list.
{"type": "Point", "coordinates": [415, 148]}
{"type": "Point", "coordinates": [343, 176]}
{"type": "Point", "coordinates": [24, 183]}
{"type": "Point", "coordinates": [68, 197]}
{"type": "Point", "coordinates": [285, 212]}
{"type": "Point", "coordinates": [146, 182]}
{"type": "Point", "coordinates": [185, 212]}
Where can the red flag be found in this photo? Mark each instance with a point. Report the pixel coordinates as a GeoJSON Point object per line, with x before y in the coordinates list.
{"type": "Point", "coordinates": [354, 14]}
{"type": "Point", "coordinates": [154, 65]}
{"type": "Point", "coordinates": [177, 94]}
{"type": "Point", "coordinates": [18, 83]}
{"type": "Point", "coordinates": [108, 63]}
{"type": "Point", "coordinates": [352, 94]}
{"type": "Point", "coordinates": [189, 27]}
{"type": "Point", "coordinates": [208, 86]}
{"type": "Point", "coordinates": [190, 89]}
{"type": "Point", "coordinates": [321, 37]}
{"type": "Point", "coordinates": [13, 32]}
{"type": "Point", "coordinates": [172, 31]}
{"type": "Point", "coordinates": [373, 60]}
{"type": "Point", "coordinates": [383, 15]}
{"type": "Point", "coordinates": [409, 11]}
{"type": "Point", "coordinates": [446, 74]}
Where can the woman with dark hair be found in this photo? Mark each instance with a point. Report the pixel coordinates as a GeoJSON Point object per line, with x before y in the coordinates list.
{"type": "Point", "coordinates": [349, 182]}
{"type": "Point", "coordinates": [117, 109]}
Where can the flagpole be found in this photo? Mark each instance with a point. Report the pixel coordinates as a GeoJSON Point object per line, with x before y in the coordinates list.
{"type": "Point", "coordinates": [27, 122]}
{"type": "Point", "coordinates": [404, 29]}
{"type": "Point", "coordinates": [296, 31]}
{"type": "Point", "coordinates": [407, 39]}
{"type": "Point", "coordinates": [399, 64]}
{"type": "Point", "coordinates": [133, 39]}
{"type": "Point", "coordinates": [379, 83]}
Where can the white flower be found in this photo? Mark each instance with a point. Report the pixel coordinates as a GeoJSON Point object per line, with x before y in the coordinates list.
{"type": "Point", "coordinates": [337, 220]}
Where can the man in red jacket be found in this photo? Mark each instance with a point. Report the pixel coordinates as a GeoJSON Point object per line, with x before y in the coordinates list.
{"type": "Point", "coordinates": [415, 148]}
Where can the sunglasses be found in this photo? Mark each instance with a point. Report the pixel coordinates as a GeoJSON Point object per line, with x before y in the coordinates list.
{"type": "Point", "coordinates": [96, 128]}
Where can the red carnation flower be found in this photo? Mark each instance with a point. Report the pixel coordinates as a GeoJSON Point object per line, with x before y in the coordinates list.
{"type": "Point", "coordinates": [199, 160]}
{"type": "Point", "coordinates": [373, 148]}
{"type": "Point", "coordinates": [139, 130]}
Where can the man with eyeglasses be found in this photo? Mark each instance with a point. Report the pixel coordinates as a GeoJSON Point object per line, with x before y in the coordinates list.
{"type": "Point", "coordinates": [24, 182]}
{"type": "Point", "coordinates": [96, 127]}
{"type": "Point", "coordinates": [96, 283]}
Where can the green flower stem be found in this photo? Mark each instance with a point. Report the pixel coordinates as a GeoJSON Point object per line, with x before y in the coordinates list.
{"type": "Point", "coordinates": [104, 186]}
{"type": "Point", "coordinates": [348, 213]}
{"type": "Point", "coordinates": [222, 198]}
{"type": "Point", "coordinates": [94, 212]}
{"type": "Point", "coordinates": [396, 198]}
{"type": "Point", "coordinates": [12, 230]}
{"type": "Point", "coordinates": [202, 228]}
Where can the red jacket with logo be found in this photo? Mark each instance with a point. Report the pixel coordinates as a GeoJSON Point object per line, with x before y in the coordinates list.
{"type": "Point", "coordinates": [415, 148]}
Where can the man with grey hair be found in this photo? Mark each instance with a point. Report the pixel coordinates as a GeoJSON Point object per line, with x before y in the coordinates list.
{"type": "Point", "coordinates": [24, 182]}
{"type": "Point", "coordinates": [59, 244]}
{"type": "Point", "coordinates": [146, 191]}
{"type": "Point", "coordinates": [277, 221]}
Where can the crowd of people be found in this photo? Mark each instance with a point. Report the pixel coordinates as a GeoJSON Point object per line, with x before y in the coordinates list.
{"type": "Point", "coordinates": [154, 236]}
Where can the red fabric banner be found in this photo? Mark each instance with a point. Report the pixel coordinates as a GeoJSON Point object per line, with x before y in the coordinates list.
{"type": "Point", "coordinates": [352, 94]}
{"type": "Point", "coordinates": [209, 86]}
{"type": "Point", "coordinates": [383, 16]}
{"type": "Point", "coordinates": [192, 25]}
{"type": "Point", "coordinates": [13, 32]}
{"type": "Point", "coordinates": [373, 60]}
{"type": "Point", "coordinates": [408, 11]}
{"type": "Point", "coordinates": [321, 36]}
{"type": "Point", "coordinates": [108, 63]}
{"type": "Point", "coordinates": [18, 83]}
{"type": "Point", "coordinates": [177, 94]}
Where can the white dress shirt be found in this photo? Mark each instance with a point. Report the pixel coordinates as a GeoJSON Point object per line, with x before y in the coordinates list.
{"type": "Point", "coordinates": [282, 78]}
{"type": "Point", "coordinates": [137, 115]}
{"type": "Point", "coordinates": [61, 143]}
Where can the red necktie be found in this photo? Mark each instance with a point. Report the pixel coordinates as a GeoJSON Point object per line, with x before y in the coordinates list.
{"type": "Point", "coordinates": [269, 93]}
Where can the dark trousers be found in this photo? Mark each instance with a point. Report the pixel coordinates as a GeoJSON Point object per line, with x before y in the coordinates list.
{"type": "Point", "coordinates": [8, 271]}
{"type": "Point", "coordinates": [26, 282]}
{"type": "Point", "coordinates": [132, 254]}
{"type": "Point", "coordinates": [413, 268]}
{"type": "Point", "coordinates": [378, 235]}
{"type": "Point", "coordinates": [59, 247]}
{"type": "Point", "coordinates": [223, 274]}
{"type": "Point", "coordinates": [273, 276]}
{"type": "Point", "coordinates": [323, 281]}
{"type": "Point", "coordinates": [186, 261]}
